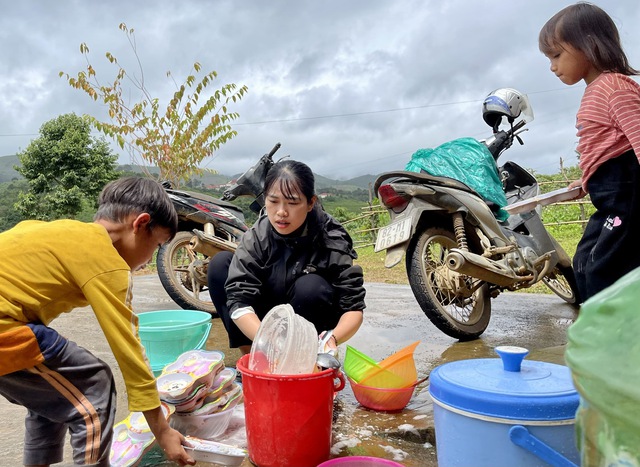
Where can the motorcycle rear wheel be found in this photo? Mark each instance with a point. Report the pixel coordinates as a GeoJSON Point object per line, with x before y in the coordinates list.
{"type": "Point", "coordinates": [463, 318]}
{"type": "Point", "coordinates": [562, 282]}
{"type": "Point", "coordinates": [183, 274]}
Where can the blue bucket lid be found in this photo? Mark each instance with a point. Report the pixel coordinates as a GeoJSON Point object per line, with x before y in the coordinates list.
{"type": "Point", "coordinates": [506, 387]}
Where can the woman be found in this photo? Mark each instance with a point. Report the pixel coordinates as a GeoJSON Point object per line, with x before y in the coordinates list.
{"type": "Point", "coordinates": [296, 254]}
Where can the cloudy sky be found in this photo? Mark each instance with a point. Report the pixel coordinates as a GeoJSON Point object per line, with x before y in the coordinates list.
{"type": "Point", "coordinates": [350, 87]}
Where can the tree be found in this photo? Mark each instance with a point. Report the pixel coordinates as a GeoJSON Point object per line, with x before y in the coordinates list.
{"type": "Point", "coordinates": [9, 191]}
{"type": "Point", "coordinates": [176, 139]}
{"type": "Point", "coordinates": [65, 167]}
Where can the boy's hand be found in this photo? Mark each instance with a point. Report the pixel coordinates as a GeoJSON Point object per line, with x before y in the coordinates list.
{"type": "Point", "coordinates": [172, 441]}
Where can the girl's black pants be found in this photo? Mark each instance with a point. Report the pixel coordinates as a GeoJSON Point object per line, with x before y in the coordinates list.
{"type": "Point", "coordinates": [610, 245]}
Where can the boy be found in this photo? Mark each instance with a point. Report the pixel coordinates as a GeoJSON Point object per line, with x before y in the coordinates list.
{"type": "Point", "coordinates": [49, 268]}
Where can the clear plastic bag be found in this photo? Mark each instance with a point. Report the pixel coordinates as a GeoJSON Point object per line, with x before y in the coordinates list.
{"type": "Point", "coordinates": [603, 352]}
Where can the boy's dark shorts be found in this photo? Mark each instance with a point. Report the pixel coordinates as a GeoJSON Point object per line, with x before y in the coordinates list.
{"type": "Point", "coordinates": [71, 390]}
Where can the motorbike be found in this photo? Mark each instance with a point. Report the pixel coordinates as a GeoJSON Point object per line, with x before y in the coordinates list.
{"type": "Point", "coordinates": [206, 226]}
{"type": "Point", "coordinates": [458, 255]}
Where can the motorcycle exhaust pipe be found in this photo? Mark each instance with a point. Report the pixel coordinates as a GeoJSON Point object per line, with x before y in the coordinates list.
{"type": "Point", "coordinates": [209, 245]}
{"type": "Point", "coordinates": [470, 264]}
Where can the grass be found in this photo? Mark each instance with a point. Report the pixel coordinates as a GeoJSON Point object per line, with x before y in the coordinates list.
{"type": "Point", "coordinates": [372, 264]}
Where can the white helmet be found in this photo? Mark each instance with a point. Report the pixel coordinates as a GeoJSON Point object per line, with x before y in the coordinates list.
{"type": "Point", "coordinates": [505, 102]}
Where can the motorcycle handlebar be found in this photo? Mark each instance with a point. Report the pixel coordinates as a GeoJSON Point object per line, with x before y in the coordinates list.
{"type": "Point", "coordinates": [503, 139]}
{"type": "Point", "coordinates": [275, 148]}
{"type": "Point", "coordinates": [517, 126]}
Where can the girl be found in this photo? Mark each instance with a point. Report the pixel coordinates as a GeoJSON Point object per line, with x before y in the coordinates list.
{"type": "Point", "coordinates": [296, 254]}
{"type": "Point", "coordinates": [582, 43]}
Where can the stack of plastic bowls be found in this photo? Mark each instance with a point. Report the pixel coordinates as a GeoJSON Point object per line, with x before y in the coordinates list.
{"type": "Point", "coordinates": [203, 392]}
{"type": "Point", "coordinates": [384, 386]}
{"type": "Point", "coordinates": [285, 344]}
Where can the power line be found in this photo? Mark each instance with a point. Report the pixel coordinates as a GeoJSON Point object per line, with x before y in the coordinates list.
{"type": "Point", "coordinates": [355, 114]}
{"type": "Point", "coordinates": [352, 114]}
{"type": "Point", "coordinates": [371, 112]}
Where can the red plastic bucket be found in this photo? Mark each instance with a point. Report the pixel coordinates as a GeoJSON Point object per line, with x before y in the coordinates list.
{"type": "Point", "coordinates": [288, 417]}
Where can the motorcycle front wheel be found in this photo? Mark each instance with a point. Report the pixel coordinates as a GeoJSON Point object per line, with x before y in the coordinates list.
{"type": "Point", "coordinates": [461, 316]}
{"type": "Point", "coordinates": [562, 282]}
{"type": "Point", "coordinates": [183, 274]}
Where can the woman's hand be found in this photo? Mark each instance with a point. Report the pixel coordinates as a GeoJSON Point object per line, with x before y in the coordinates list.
{"type": "Point", "coordinates": [248, 323]}
{"type": "Point", "coordinates": [347, 326]}
{"type": "Point", "coordinates": [328, 343]}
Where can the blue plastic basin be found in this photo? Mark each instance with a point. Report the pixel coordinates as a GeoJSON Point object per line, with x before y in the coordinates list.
{"type": "Point", "coordinates": [166, 334]}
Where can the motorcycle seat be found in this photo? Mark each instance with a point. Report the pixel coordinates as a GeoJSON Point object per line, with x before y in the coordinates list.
{"type": "Point", "coordinates": [428, 179]}
{"type": "Point", "coordinates": [204, 197]}
{"type": "Point", "coordinates": [423, 177]}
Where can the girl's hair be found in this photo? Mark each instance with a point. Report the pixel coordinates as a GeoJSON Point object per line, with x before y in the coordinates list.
{"type": "Point", "coordinates": [589, 29]}
{"type": "Point", "coordinates": [135, 195]}
{"type": "Point", "coordinates": [293, 177]}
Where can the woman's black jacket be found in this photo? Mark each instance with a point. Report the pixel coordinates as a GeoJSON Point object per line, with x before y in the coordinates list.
{"type": "Point", "coordinates": [266, 264]}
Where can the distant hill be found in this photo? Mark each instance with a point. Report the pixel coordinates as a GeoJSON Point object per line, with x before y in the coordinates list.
{"type": "Point", "coordinates": [361, 182]}
{"type": "Point", "coordinates": [7, 173]}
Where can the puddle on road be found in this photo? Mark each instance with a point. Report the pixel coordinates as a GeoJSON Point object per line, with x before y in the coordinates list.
{"type": "Point", "coordinates": [564, 322]}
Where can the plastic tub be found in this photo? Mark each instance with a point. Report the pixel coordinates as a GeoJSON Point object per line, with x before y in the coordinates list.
{"type": "Point", "coordinates": [166, 334]}
{"type": "Point", "coordinates": [288, 417]}
{"type": "Point", "coordinates": [206, 426]}
{"type": "Point", "coordinates": [359, 461]}
{"type": "Point", "coordinates": [489, 412]}
{"type": "Point", "coordinates": [382, 399]}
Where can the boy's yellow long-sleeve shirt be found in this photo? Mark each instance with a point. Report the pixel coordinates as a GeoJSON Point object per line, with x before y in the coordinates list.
{"type": "Point", "coordinates": [50, 268]}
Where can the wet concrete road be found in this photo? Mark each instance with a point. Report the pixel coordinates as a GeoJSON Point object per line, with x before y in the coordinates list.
{"type": "Point", "coordinates": [393, 320]}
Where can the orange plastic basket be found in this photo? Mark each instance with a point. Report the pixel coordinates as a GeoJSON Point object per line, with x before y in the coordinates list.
{"type": "Point", "coordinates": [382, 399]}
{"type": "Point", "coordinates": [357, 364]}
{"type": "Point", "coordinates": [395, 371]}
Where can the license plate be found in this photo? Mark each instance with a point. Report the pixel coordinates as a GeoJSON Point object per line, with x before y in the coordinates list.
{"type": "Point", "coordinates": [393, 234]}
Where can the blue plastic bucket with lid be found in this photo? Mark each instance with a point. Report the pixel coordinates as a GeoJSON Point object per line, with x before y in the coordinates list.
{"type": "Point", "coordinates": [166, 334]}
{"type": "Point", "coordinates": [497, 412]}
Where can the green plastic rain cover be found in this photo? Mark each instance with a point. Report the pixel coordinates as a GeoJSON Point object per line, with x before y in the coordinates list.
{"type": "Point", "coordinates": [468, 161]}
{"type": "Point", "coordinates": [603, 352]}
